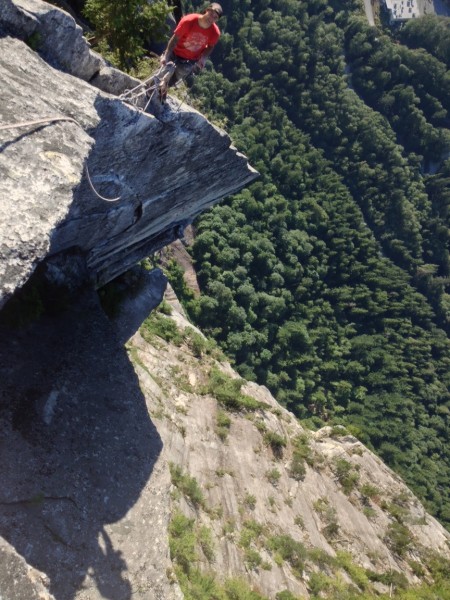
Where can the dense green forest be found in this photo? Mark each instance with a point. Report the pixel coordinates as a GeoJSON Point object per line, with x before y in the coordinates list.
{"type": "Point", "coordinates": [327, 279]}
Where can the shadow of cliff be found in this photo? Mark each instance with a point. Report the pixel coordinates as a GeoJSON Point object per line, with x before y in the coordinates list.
{"type": "Point", "coordinates": [77, 447]}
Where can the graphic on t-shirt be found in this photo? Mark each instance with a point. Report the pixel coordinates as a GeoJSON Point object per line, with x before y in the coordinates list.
{"type": "Point", "coordinates": [196, 41]}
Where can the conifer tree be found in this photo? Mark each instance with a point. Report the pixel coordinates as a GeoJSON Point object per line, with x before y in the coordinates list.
{"type": "Point", "coordinates": [125, 25]}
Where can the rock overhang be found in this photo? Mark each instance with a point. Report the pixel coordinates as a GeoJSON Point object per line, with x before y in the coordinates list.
{"type": "Point", "coordinates": [165, 168]}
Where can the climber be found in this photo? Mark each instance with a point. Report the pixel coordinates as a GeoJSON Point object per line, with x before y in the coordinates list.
{"type": "Point", "coordinates": [192, 42]}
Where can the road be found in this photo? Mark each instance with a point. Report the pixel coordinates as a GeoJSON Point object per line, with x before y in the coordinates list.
{"type": "Point", "coordinates": [369, 12]}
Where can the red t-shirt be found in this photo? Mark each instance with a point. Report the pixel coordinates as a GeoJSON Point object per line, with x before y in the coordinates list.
{"type": "Point", "coordinates": [193, 39]}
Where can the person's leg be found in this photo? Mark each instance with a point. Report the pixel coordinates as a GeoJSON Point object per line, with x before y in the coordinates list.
{"type": "Point", "coordinates": [183, 70]}
{"type": "Point", "coordinates": [165, 74]}
{"type": "Point", "coordinates": [170, 74]}
{"type": "Point", "coordinates": [163, 77]}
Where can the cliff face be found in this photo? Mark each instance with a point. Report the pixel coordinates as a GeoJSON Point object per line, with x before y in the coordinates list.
{"type": "Point", "coordinates": [111, 454]}
{"type": "Point", "coordinates": [163, 167]}
{"type": "Point", "coordinates": [285, 508]}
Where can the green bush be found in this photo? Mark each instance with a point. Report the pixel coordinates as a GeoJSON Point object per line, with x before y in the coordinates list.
{"type": "Point", "coordinates": [289, 550]}
{"type": "Point", "coordinates": [165, 308]}
{"type": "Point", "coordinates": [196, 585]}
{"type": "Point", "coordinates": [250, 501]}
{"type": "Point", "coordinates": [328, 514]}
{"type": "Point", "coordinates": [357, 574]}
{"type": "Point", "coordinates": [418, 569]}
{"type": "Point", "coordinates": [205, 541]}
{"type": "Point", "coordinates": [285, 595]}
{"type": "Point", "coordinates": [302, 454]}
{"type": "Point", "coordinates": [321, 558]}
{"type": "Point", "coordinates": [438, 565]}
{"type": "Point", "coordinates": [369, 491]}
{"type": "Point", "coordinates": [302, 448]}
{"type": "Point", "coordinates": [297, 469]}
{"type": "Point", "coordinates": [369, 512]}
{"type": "Point", "coordinates": [273, 476]}
{"type": "Point", "coordinates": [398, 538]}
{"type": "Point", "coordinates": [252, 558]}
{"type": "Point", "coordinates": [156, 324]}
{"type": "Point", "coordinates": [395, 578]}
{"type": "Point", "coordinates": [175, 275]}
{"type": "Point", "coordinates": [318, 582]}
{"type": "Point", "coordinates": [338, 431]}
{"type": "Point", "coordinates": [238, 589]}
{"type": "Point", "coordinates": [182, 541]}
{"type": "Point", "coordinates": [196, 342]}
{"type": "Point", "coordinates": [346, 474]}
{"type": "Point", "coordinates": [223, 422]}
{"type": "Point", "coordinates": [199, 586]}
{"type": "Point", "coordinates": [227, 391]}
{"type": "Point", "coordinates": [276, 441]}
{"type": "Point", "coordinates": [331, 529]}
{"type": "Point", "coordinates": [250, 533]}
{"type": "Point", "coordinates": [187, 485]}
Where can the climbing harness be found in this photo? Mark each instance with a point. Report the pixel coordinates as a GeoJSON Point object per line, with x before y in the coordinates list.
{"type": "Point", "coordinates": [52, 120]}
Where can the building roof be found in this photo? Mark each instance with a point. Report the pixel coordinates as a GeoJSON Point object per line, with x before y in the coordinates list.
{"type": "Point", "coordinates": [402, 10]}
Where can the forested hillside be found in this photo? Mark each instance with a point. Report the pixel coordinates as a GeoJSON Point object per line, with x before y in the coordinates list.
{"type": "Point", "coordinates": [326, 280]}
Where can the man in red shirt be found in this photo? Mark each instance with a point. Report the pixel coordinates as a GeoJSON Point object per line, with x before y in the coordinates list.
{"type": "Point", "coordinates": [192, 42]}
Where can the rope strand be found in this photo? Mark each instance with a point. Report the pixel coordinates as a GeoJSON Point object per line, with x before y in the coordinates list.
{"type": "Point", "coordinates": [37, 122]}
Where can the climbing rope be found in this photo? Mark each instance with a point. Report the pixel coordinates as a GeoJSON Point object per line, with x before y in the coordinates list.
{"type": "Point", "coordinates": [52, 120]}
{"type": "Point", "coordinates": [159, 80]}
{"type": "Point", "coordinates": [37, 122]}
{"type": "Point", "coordinates": [95, 191]}
{"type": "Point", "coordinates": [148, 87]}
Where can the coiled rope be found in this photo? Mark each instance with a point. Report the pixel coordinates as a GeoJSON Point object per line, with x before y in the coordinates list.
{"type": "Point", "coordinates": [51, 120]}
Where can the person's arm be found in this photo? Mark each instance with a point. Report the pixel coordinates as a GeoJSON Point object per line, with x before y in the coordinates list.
{"type": "Point", "coordinates": [203, 58]}
{"type": "Point", "coordinates": [166, 55]}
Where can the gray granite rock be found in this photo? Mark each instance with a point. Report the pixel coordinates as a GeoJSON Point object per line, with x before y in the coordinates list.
{"type": "Point", "coordinates": [19, 581]}
{"type": "Point", "coordinates": [53, 33]}
{"type": "Point", "coordinates": [163, 168]}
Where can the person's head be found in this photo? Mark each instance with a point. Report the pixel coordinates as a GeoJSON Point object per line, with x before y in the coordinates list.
{"type": "Point", "coordinates": [215, 10]}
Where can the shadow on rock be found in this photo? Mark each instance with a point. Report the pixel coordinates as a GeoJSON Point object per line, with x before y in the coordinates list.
{"type": "Point", "coordinates": [77, 448]}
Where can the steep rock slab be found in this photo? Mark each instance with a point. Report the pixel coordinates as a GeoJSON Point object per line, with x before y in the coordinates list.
{"type": "Point", "coordinates": [247, 485]}
{"type": "Point", "coordinates": [40, 165]}
{"type": "Point", "coordinates": [165, 171]}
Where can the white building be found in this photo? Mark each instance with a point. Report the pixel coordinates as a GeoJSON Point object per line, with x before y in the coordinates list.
{"type": "Point", "coordinates": [403, 10]}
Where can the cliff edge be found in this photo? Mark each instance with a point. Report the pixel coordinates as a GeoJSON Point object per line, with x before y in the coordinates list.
{"type": "Point", "coordinates": [68, 146]}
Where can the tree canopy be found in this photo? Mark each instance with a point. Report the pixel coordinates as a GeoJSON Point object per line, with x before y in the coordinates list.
{"type": "Point", "coordinates": [327, 280]}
